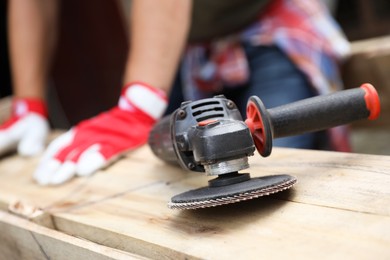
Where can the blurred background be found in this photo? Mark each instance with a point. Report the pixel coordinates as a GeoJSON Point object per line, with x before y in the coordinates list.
{"type": "Point", "coordinates": [84, 73]}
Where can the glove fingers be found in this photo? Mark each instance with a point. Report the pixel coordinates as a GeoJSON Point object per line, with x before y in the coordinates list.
{"type": "Point", "coordinates": [61, 157]}
{"type": "Point", "coordinates": [90, 161]}
{"type": "Point", "coordinates": [49, 164]}
{"type": "Point", "coordinates": [86, 157]}
{"type": "Point", "coordinates": [96, 157]}
{"type": "Point", "coordinates": [44, 172]}
{"type": "Point", "coordinates": [64, 173]}
{"type": "Point", "coordinates": [57, 145]}
{"type": "Point", "coordinates": [54, 172]}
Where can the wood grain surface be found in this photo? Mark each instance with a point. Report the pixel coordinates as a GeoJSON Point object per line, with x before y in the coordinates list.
{"type": "Point", "coordinates": [338, 209]}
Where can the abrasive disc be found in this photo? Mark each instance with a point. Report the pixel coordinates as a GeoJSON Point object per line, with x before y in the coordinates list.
{"type": "Point", "coordinates": [252, 188]}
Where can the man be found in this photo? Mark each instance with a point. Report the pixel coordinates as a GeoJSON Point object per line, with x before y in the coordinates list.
{"type": "Point", "coordinates": [238, 53]}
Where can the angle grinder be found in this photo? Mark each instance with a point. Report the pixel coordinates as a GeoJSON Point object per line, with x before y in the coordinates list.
{"type": "Point", "coordinates": [210, 136]}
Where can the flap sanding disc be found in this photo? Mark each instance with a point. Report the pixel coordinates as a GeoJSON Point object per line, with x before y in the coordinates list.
{"type": "Point", "coordinates": [212, 196]}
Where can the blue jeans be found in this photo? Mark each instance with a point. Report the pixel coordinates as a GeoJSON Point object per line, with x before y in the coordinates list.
{"type": "Point", "coordinates": [276, 81]}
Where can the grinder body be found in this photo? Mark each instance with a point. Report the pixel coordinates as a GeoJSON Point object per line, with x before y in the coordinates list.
{"type": "Point", "coordinates": [208, 135]}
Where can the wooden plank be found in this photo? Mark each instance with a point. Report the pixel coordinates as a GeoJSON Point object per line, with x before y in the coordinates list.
{"type": "Point", "coordinates": [265, 228]}
{"type": "Point", "coordinates": [369, 62]}
{"type": "Point", "coordinates": [355, 178]}
{"type": "Point", "coordinates": [356, 182]}
{"type": "Point", "coordinates": [376, 46]}
{"type": "Point", "coordinates": [368, 141]}
{"type": "Point", "coordinates": [339, 208]}
{"type": "Point", "coordinates": [17, 185]}
{"type": "Point", "coordinates": [22, 239]}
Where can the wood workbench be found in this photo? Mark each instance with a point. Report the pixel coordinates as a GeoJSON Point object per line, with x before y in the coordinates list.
{"type": "Point", "coordinates": [339, 209]}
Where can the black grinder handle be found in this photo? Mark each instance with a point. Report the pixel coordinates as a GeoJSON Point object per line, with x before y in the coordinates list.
{"type": "Point", "coordinates": [322, 112]}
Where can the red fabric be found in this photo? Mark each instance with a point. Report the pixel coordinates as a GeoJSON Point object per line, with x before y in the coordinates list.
{"type": "Point", "coordinates": [115, 131]}
{"type": "Point", "coordinates": [23, 106]}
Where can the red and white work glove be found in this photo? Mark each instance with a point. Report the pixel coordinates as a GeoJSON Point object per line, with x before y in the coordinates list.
{"type": "Point", "coordinates": [27, 128]}
{"type": "Point", "coordinates": [94, 143]}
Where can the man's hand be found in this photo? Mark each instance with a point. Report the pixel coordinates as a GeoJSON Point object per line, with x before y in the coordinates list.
{"type": "Point", "coordinates": [94, 143]}
{"type": "Point", "coordinates": [27, 128]}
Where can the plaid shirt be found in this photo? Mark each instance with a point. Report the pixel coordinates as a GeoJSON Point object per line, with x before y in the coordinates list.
{"type": "Point", "coordinates": [303, 29]}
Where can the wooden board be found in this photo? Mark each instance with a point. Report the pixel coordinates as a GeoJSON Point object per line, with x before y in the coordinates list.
{"type": "Point", "coordinates": [22, 239]}
{"type": "Point", "coordinates": [369, 63]}
{"type": "Point", "coordinates": [339, 208]}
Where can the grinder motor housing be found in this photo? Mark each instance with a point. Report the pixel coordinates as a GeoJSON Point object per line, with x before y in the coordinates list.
{"type": "Point", "coordinates": [208, 135]}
